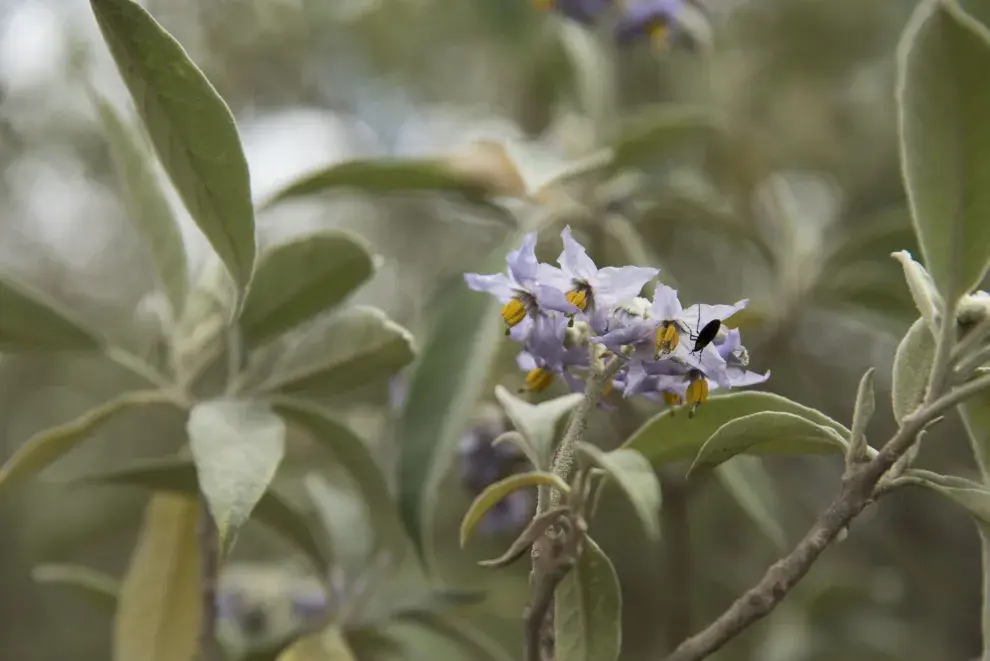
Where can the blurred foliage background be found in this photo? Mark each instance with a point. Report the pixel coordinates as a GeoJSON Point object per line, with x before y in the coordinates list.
{"type": "Point", "coordinates": [795, 203]}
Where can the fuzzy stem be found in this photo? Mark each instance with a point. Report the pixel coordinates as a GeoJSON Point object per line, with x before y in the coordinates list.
{"type": "Point", "coordinates": [563, 461]}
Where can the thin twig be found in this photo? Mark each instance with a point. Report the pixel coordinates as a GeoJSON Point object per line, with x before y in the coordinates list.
{"type": "Point", "coordinates": [858, 490]}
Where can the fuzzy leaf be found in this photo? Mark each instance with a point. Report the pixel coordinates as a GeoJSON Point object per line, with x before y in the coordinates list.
{"type": "Point", "coordinates": [670, 437]}
{"type": "Point", "coordinates": [971, 496]}
{"type": "Point", "coordinates": [537, 422]}
{"type": "Point", "coordinates": [179, 476]}
{"type": "Point", "coordinates": [44, 448]}
{"type": "Point", "coordinates": [148, 207]}
{"type": "Point", "coordinates": [159, 612]}
{"type": "Point", "coordinates": [191, 128]}
{"type": "Point", "coordinates": [499, 490]}
{"type": "Point", "coordinates": [656, 130]}
{"type": "Point", "coordinates": [912, 366]}
{"type": "Point", "coordinates": [942, 105]}
{"type": "Point", "coordinates": [926, 298]}
{"type": "Point", "coordinates": [298, 280]}
{"type": "Point", "coordinates": [767, 433]}
{"type": "Point", "coordinates": [31, 321]}
{"type": "Point", "coordinates": [634, 474]}
{"type": "Point", "coordinates": [588, 609]}
{"type": "Point", "coordinates": [237, 446]}
{"type": "Point", "coordinates": [358, 346]}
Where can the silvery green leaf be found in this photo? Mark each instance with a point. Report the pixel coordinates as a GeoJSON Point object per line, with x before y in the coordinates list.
{"type": "Point", "coordinates": [670, 437]}
{"type": "Point", "coordinates": [537, 422]}
{"type": "Point", "coordinates": [296, 281]}
{"type": "Point", "coordinates": [923, 291]}
{"type": "Point", "coordinates": [768, 432]}
{"type": "Point", "coordinates": [45, 447]}
{"type": "Point", "coordinates": [588, 609]}
{"type": "Point", "coordinates": [942, 108]}
{"type": "Point", "coordinates": [148, 207]}
{"type": "Point", "coordinates": [634, 474]}
{"type": "Point", "coordinates": [237, 446]}
{"type": "Point", "coordinates": [345, 516]}
{"type": "Point", "coordinates": [862, 413]}
{"type": "Point", "coordinates": [191, 128]}
{"type": "Point", "coordinates": [972, 496]}
{"type": "Point", "coordinates": [912, 368]}
{"type": "Point", "coordinates": [31, 321]}
{"type": "Point", "coordinates": [356, 346]}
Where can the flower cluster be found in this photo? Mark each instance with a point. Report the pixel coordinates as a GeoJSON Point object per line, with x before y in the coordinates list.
{"type": "Point", "coordinates": [657, 20]}
{"type": "Point", "coordinates": [568, 315]}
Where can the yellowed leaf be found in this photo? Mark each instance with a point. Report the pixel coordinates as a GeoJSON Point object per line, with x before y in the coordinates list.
{"type": "Point", "coordinates": [160, 609]}
{"type": "Point", "coordinates": [328, 645]}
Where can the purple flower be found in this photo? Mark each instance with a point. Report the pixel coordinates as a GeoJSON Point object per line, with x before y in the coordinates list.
{"type": "Point", "coordinates": [595, 291]}
{"type": "Point", "coordinates": [519, 289]}
{"type": "Point", "coordinates": [546, 354]}
{"type": "Point", "coordinates": [309, 606]}
{"type": "Point", "coordinates": [653, 19]}
{"type": "Point", "coordinates": [585, 12]}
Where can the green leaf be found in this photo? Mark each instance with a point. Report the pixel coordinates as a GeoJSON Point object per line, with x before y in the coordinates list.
{"type": "Point", "coordinates": [148, 207]}
{"type": "Point", "coordinates": [443, 391]}
{"type": "Point", "coordinates": [537, 422]}
{"type": "Point", "coordinates": [656, 130]}
{"type": "Point", "coordinates": [768, 432]}
{"type": "Point", "coordinates": [926, 297]}
{"type": "Point", "coordinates": [31, 321]}
{"type": "Point", "coordinates": [353, 455]}
{"type": "Point", "coordinates": [385, 176]}
{"type": "Point", "coordinates": [237, 446]}
{"type": "Point", "coordinates": [327, 645]}
{"type": "Point", "coordinates": [499, 490]}
{"type": "Point", "coordinates": [346, 518]}
{"type": "Point", "coordinates": [971, 496]}
{"type": "Point", "coordinates": [160, 609]}
{"type": "Point", "coordinates": [358, 346]}
{"type": "Point", "coordinates": [943, 104]}
{"type": "Point", "coordinates": [296, 281]}
{"type": "Point", "coordinates": [211, 306]}
{"type": "Point", "coordinates": [975, 414]}
{"type": "Point", "coordinates": [533, 531]}
{"type": "Point", "coordinates": [179, 476]}
{"type": "Point", "coordinates": [588, 609]}
{"type": "Point", "coordinates": [634, 474]}
{"type": "Point", "coordinates": [668, 437]}
{"type": "Point", "coordinates": [749, 484]}
{"type": "Point", "coordinates": [44, 448]}
{"type": "Point", "coordinates": [519, 441]}
{"type": "Point", "coordinates": [191, 128]}
{"type": "Point", "coordinates": [912, 366]}
{"type": "Point", "coordinates": [96, 586]}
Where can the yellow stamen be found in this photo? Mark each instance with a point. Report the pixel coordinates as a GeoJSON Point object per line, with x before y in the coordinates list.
{"type": "Point", "coordinates": [667, 338]}
{"type": "Point", "coordinates": [578, 297]}
{"type": "Point", "coordinates": [659, 35]}
{"type": "Point", "coordinates": [513, 312]}
{"type": "Point", "coordinates": [609, 387]}
{"type": "Point", "coordinates": [697, 394]}
{"type": "Point", "coordinates": [538, 379]}
{"type": "Point", "coordinates": [672, 398]}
